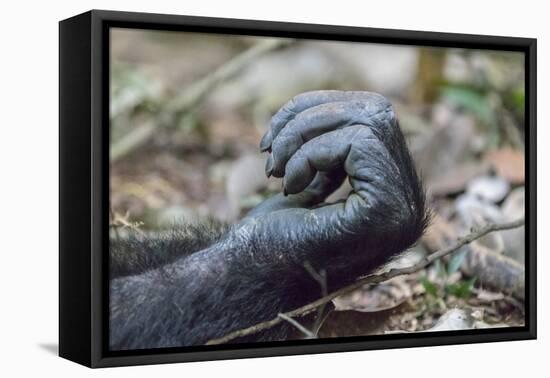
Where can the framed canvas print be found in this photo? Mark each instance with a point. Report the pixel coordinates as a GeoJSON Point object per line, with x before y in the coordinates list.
{"type": "Point", "coordinates": [234, 188]}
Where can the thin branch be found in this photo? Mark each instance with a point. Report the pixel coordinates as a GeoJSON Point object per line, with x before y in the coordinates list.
{"type": "Point", "coordinates": [322, 314]}
{"type": "Point", "coordinates": [193, 95]}
{"type": "Point", "coordinates": [201, 88]}
{"type": "Point", "coordinates": [117, 221]}
{"type": "Point", "coordinates": [372, 279]}
{"type": "Point", "coordinates": [296, 324]}
{"type": "Point", "coordinates": [321, 278]}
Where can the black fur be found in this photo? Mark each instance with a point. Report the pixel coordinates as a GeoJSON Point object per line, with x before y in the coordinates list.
{"type": "Point", "coordinates": [195, 285]}
{"type": "Point", "coordinates": [138, 253]}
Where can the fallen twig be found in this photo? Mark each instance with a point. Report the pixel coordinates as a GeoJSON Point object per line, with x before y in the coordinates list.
{"type": "Point", "coordinates": [189, 98]}
{"type": "Point", "coordinates": [296, 324]}
{"type": "Point", "coordinates": [321, 278]}
{"type": "Point", "coordinates": [118, 221]}
{"type": "Point", "coordinates": [497, 271]}
{"type": "Point", "coordinates": [372, 279]}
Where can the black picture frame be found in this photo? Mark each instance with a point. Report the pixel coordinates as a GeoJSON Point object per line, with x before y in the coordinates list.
{"type": "Point", "coordinates": [84, 185]}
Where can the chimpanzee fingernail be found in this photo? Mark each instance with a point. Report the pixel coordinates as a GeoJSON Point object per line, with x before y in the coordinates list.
{"type": "Point", "coordinates": [269, 165]}
{"type": "Point", "coordinates": [265, 143]}
{"type": "Point", "coordinates": [285, 191]}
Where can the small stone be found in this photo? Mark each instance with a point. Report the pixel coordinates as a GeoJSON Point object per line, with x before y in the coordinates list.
{"type": "Point", "coordinates": [489, 188]}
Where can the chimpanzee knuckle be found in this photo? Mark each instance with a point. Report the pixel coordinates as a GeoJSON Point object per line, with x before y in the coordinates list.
{"type": "Point", "coordinates": [278, 121]}
{"type": "Point", "coordinates": [301, 130]}
{"type": "Point", "coordinates": [281, 118]}
{"type": "Point", "coordinates": [390, 116]}
{"type": "Point", "coordinates": [358, 135]}
{"type": "Point", "coordinates": [296, 104]}
{"type": "Point", "coordinates": [309, 99]}
{"type": "Point", "coordinates": [368, 113]}
{"type": "Point", "coordinates": [384, 102]}
{"type": "Point", "coordinates": [357, 112]}
{"type": "Point", "coordinates": [377, 100]}
{"type": "Point", "coordinates": [305, 98]}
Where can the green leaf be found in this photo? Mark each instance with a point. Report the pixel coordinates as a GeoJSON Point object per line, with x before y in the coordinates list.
{"type": "Point", "coordinates": [519, 98]}
{"type": "Point", "coordinates": [188, 122]}
{"type": "Point", "coordinates": [430, 287]}
{"type": "Point", "coordinates": [456, 261]}
{"type": "Point", "coordinates": [471, 100]}
{"type": "Point", "coordinates": [461, 289]}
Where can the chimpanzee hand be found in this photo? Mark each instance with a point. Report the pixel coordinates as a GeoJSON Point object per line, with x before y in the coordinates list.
{"type": "Point", "coordinates": [256, 270]}
{"type": "Point", "coordinates": [315, 141]}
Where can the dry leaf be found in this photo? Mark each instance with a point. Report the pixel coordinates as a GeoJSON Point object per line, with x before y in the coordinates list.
{"type": "Point", "coordinates": [508, 164]}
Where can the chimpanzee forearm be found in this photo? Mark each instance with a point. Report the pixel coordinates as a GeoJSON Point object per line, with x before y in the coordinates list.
{"type": "Point", "coordinates": [226, 287]}
{"type": "Point", "coordinates": [258, 268]}
{"type": "Point", "coordinates": [139, 253]}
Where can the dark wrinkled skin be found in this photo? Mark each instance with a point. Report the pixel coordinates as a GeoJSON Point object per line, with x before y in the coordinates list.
{"type": "Point", "coordinates": [256, 269]}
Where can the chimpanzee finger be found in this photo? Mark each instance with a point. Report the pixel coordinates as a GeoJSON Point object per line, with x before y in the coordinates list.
{"type": "Point", "coordinates": [326, 152]}
{"type": "Point", "coordinates": [307, 100]}
{"type": "Point", "coordinates": [320, 188]}
{"type": "Point", "coordinates": [318, 120]}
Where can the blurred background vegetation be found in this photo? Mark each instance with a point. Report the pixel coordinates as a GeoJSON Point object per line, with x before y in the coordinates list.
{"type": "Point", "coordinates": [188, 110]}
